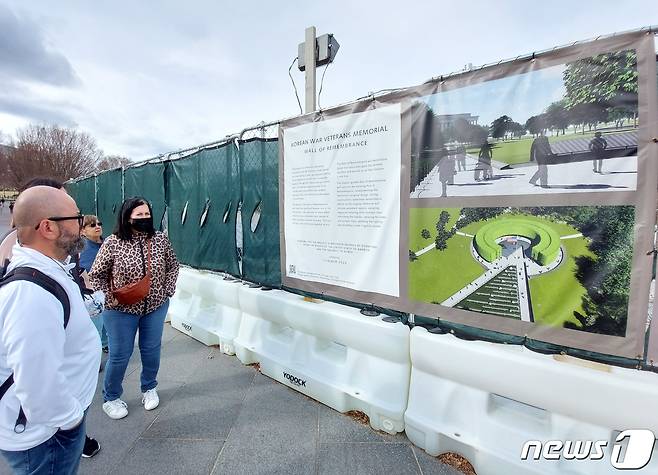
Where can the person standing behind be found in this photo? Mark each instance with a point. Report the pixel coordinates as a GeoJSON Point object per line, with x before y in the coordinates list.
{"type": "Point", "coordinates": [92, 232]}
{"type": "Point", "coordinates": [54, 363]}
{"type": "Point", "coordinates": [92, 237]}
{"type": "Point", "coordinates": [483, 168]}
{"type": "Point", "coordinates": [597, 145]}
{"type": "Point", "coordinates": [132, 252]}
{"type": "Point", "coordinates": [540, 152]}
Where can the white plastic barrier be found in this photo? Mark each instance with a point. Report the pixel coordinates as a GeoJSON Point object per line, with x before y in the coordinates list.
{"type": "Point", "coordinates": [485, 401]}
{"type": "Point", "coordinates": [329, 352]}
{"type": "Point", "coordinates": [206, 308]}
{"type": "Point", "coordinates": [186, 293]}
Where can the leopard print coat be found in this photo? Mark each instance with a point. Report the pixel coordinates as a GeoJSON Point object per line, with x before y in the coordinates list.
{"type": "Point", "coordinates": [124, 262]}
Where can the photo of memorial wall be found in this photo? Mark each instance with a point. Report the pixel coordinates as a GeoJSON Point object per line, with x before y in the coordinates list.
{"type": "Point", "coordinates": [562, 129]}
{"type": "Point", "coordinates": [559, 266]}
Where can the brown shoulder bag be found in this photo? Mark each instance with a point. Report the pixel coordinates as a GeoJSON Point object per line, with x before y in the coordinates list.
{"type": "Point", "coordinates": [137, 291]}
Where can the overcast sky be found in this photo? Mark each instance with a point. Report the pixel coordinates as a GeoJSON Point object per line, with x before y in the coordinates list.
{"type": "Point", "coordinates": [146, 78]}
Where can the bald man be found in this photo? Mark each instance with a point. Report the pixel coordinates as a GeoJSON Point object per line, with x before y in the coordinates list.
{"type": "Point", "coordinates": [55, 368]}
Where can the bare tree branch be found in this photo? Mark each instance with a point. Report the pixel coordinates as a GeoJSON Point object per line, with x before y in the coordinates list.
{"type": "Point", "coordinates": [53, 151]}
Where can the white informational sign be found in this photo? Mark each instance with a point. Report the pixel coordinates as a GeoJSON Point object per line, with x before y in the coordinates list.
{"type": "Point", "coordinates": [342, 201]}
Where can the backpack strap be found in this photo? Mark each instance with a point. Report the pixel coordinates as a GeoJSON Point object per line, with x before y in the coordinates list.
{"type": "Point", "coordinates": [50, 285]}
{"type": "Point", "coordinates": [42, 280]}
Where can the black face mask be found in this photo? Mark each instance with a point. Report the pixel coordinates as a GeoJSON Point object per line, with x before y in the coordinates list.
{"type": "Point", "coordinates": [144, 225]}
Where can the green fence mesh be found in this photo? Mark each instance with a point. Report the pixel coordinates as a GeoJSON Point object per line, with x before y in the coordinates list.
{"type": "Point", "coordinates": [219, 194]}
{"type": "Point", "coordinates": [184, 210]}
{"type": "Point", "coordinates": [259, 167]}
{"type": "Point", "coordinates": [147, 181]}
{"type": "Point", "coordinates": [109, 196]}
{"type": "Point", "coordinates": [84, 194]}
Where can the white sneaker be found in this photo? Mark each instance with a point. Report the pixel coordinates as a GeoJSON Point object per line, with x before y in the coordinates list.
{"type": "Point", "coordinates": [150, 399]}
{"type": "Point", "coordinates": [116, 409]}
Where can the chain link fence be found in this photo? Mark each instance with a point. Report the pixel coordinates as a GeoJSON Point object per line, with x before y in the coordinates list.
{"type": "Point", "coordinates": [219, 202]}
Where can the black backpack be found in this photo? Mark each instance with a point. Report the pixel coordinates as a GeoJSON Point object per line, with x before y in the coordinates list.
{"type": "Point", "coordinates": [48, 284]}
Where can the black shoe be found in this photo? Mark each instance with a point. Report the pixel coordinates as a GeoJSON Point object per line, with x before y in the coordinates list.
{"type": "Point", "coordinates": [92, 447]}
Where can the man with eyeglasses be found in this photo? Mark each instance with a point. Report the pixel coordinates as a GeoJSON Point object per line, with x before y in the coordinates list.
{"type": "Point", "coordinates": [92, 447]}
{"type": "Point", "coordinates": [55, 368]}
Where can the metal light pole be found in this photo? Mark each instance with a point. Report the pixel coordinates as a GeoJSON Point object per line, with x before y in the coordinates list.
{"type": "Point", "coordinates": [309, 61]}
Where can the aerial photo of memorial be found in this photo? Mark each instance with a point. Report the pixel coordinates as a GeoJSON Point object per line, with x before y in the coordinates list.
{"type": "Point", "coordinates": [559, 266]}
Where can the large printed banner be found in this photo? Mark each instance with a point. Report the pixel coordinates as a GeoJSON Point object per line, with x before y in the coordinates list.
{"type": "Point", "coordinates": [527, 197]}
{"type": "Point", "coordinates": [342, 201]}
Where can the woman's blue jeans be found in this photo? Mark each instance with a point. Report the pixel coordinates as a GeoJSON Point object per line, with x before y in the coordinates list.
{"type": "Point", "coordinates": [98, 323]}
{"type": "Point", "coordinates": [121, 330]}
{"type": "Point", "coordinates": [58, 455]}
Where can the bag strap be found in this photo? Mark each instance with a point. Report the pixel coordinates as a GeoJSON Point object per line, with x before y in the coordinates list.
{"type": "Point", "coordinates": [50, 285]}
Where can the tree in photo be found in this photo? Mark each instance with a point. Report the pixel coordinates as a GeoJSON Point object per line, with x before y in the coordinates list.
{"type": "Point", "coordinates": [536, 124]}
{"type": "Point", "coordinates": [473, 215]}
{"type": "Point", "coordinates": [557, 117]}
{"type": "Point", "coordinates": [609, 80]}
{"type": "Point", "coordinates": [587, 114]}
{"type": "Point", "coordinates": [442, 234]}
{"type": "Point", "coordinates": [619, 115]}
{"type": "Point", "coordinates": [500, 126]}
{"type": "Point", "coordinates": [516, 130]}
{"type": "Point", "coordinates": [425, 234]}
{"type": "Point", "coordinates": [607, 276]}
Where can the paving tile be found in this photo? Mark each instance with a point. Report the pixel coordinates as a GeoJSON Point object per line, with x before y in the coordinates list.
{"type": "Point", "coordinates": [276, 432]}
{"type": "Point", "coordinates": [431, 465]}
{"type": "Point", "coordinates": [179, 358]}
{"type": "Point", "coordinates": [169, 456]}
{"type": "Point", "coordinates": [208, 404]}
{"type": "Point", "coordinates": [341, 428]}
{"type": "Point", "coordinates": [366, 459]}
{"type": "Point", "coordinates": [169, 333]}
{"type": "Point", "coordinates": [117, 436]}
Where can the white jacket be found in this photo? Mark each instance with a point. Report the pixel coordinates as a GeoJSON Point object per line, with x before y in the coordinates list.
{"type": "Point", "coordinates": [55, 370]}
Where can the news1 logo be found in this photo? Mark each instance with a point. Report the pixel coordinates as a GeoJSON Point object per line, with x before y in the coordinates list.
{"type": "Point", "coordinates": [639, 447]}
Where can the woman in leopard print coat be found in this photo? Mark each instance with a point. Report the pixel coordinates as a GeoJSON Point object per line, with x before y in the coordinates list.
{"type": "Point", "coordinates": [123, 259]}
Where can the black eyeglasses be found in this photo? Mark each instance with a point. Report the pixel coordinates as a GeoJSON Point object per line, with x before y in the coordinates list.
{"type": "Point", "coordinates": [79, 217]}
{"type": "Point", "coordinates": [93, 225]}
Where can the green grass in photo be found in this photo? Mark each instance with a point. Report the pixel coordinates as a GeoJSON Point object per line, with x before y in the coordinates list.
{"type": "Point", "coordinates": [426, 218]}
{"type": "Point", "coordinates": [557, 294]}
{"type": "Point", "coordinates": [436, 275]}
{"type": "Point", "coordinates": [517, 151]}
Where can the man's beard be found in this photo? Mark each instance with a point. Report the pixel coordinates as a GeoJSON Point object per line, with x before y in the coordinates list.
{"type": "Point", "coordinates": [70, 243]}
